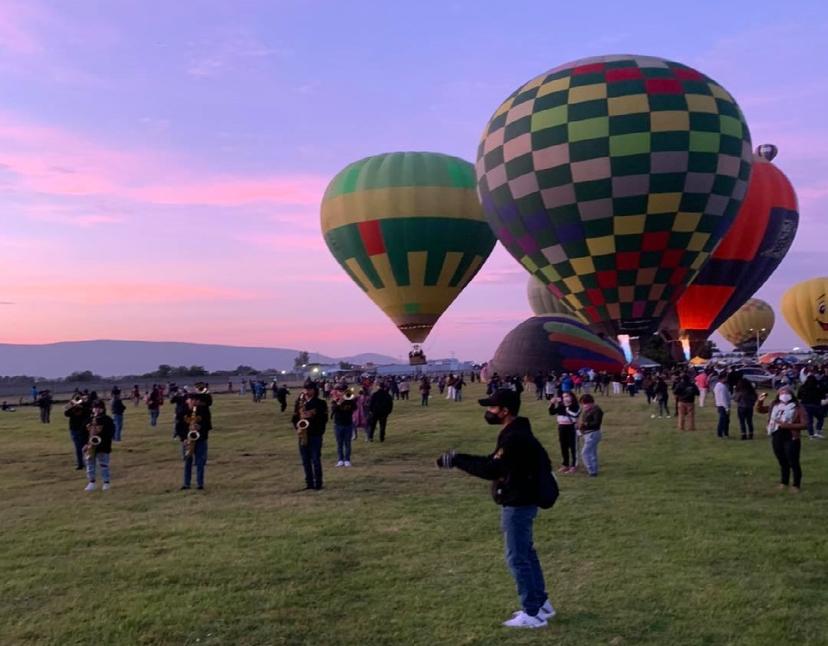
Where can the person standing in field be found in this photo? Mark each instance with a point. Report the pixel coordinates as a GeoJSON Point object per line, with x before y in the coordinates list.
{"type": "Point", "coordinates": [745, 398]}
{"type": "Point", "coordinates": [721, 395]}
{"type": "Point", "coordinates": [362, 414]}
{"type": "Point", "coordinates": [154, 402]}
{"type": "Point", "coordinates": [97, 451]}
{"type": "Point", "coordinates": [786, 419]}
{"type": "Point", "coordinates": [686, 392]}
{"type": "Point", "coordinates": [78, 412]}
{"type": "Point", "coordinates": [425, 390]}
{"type": "Point", "coordinates": [44, 403]}
{"type": "Point", "coordinates": [282, 397]}
{"type": "Point", "coordinates": [117, 409]}
{"type": "Point", "coordinates": [381, 405]}
{"type": "Point", "coordinates": [522, 481]}
{"type": "Point", "coordinates": [199, 419]}
{"type": "Point", "coordinates": [342, 412]}
{"type": "Point", "coordinates": [811, 393]}
{"type": "Point", "coordinates": [703, 384]}
{"type": "Point", "coordinates": [662, 397]}
{"type": "Point", "coordinates": [315, 410]}
{"type": "Point", "coordinates": [589, 428]}
{"type": "Point", "coordinates": [566, 411]}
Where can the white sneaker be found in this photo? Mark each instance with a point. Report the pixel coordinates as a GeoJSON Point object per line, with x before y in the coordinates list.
{"type": "Point", "coordinates": [522, 620]}
{"type": "Point", "coordinates": [105, 486]}
{"type": "Point", "coordinates": [90, 487]}
{"type": "Point", "coordinates": [340, 464]}
{"type": "Point", "coordinates": [546, 611]}
{"type": "Point", "coordinates": [819, 436]}
{"type": "Point", "coordinates": [347, 463]}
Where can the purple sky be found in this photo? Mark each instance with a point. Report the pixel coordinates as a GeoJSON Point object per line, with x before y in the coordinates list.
{"type": "Point", "coordinates": [161, 164]}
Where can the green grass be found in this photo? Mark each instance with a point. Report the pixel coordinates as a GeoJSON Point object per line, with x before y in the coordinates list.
{"type": "Point", "coordinates": [683, 539]}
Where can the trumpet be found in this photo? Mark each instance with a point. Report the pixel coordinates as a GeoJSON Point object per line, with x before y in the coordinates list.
{"type": "Point", "coordinates": [77, 400]}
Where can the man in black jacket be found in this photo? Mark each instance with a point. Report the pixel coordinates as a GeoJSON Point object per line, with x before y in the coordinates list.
{"type": "Point", "coordinates": [380, 405]}
{"type": "Point", "coordinates": [309, 407]}
{"type": "Point", "coordinates": [97, 451]}
{"type": "Point", "coordinates": [199, 419]}
{"type": "Point", "coordinates": [78, 412]}
{"type": "Point", "coordinates": [514, 470]}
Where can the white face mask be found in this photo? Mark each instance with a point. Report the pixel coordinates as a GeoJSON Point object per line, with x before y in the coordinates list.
{"type": "Point", "coordinates": [785, 398]}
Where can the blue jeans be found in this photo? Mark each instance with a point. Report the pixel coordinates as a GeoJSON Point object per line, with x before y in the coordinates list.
{"type": "Point", "coordinates": [119, 426]}
{"type": "Point", "coordinates": [745, 420]}
{"type": "Point", "coordinates": [103, 460]}
{"type": "Point", "coordinates": [521, 558]}
{"type": "Point", "coordinates": [343, 441]}
{"type": "Point", "coordinates": [815, 414]}
{"type": "Point", "coordinates": [79, 440]}
{"type": "Point", "coordinates": [723, 428]}
{"type": "Point", "coordinates": [590, 451]}
{"type": "Point", "coordinates": [154, 413]}
{"type": "Point", "coordinates": [199, 456]}
{"type": "Point", "coordinates": [312, 461]}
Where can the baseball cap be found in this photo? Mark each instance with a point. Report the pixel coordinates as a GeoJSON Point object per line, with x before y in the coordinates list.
{"type": "Point", "coordinates": [503, 397]}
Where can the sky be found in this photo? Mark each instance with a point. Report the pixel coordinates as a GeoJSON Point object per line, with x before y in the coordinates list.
{"type": "Point", "coordinates": [162, 164]}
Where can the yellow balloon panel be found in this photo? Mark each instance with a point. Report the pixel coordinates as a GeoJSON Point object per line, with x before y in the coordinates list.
{"type": "Point", "coordinates": [804, 308]}
{"type": "Point", "coordinates": [753, 320]}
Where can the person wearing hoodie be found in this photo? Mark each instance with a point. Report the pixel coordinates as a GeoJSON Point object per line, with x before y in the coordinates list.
{"type": "Point", "coordinates": [589, 428]}
{"type": "Point", "coordinates": [566, 410]}
{"type": "Point", "coordinates": [811, 393]}
{"type": "Point", "coordinates": [786, 419]}
{"type": "Point", "coordinates": [516, 467]}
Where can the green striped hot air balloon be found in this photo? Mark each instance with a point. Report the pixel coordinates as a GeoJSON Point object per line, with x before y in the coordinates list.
{"type": "Point", "coordinates": [408, 229]}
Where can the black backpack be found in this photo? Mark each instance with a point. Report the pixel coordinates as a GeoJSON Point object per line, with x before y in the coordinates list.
{"type": "Point", "coordinates": [548, 490]}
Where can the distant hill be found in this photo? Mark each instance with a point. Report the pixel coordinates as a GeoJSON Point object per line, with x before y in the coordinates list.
{"type": "Point", "coordinates": [113, 358]}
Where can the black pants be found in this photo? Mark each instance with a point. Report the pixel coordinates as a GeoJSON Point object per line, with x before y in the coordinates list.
{"type": "Point", "coordinates": [746, 421]}
{"type": "Point", "coordinates": [45, 415]}
{"type": "Point", "coordinates": [723, 427]}
{"type": "Point", "coordinates": [424, 399]}
{"type": "Point", "coordinates": [569, 444]}
{"type": "Point", "coordinates": [79, 440]}
{"type": "Point", "coordinates": [382, 423]}
{"type": "Point", "coordinates": [282, 404]}
{"type": "Point", "coordinates": [312, 461]}
{"type": "Point", "coordinates": [786, 449]}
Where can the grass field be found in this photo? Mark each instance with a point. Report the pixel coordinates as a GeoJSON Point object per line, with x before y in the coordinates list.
{"type": "Point", "coordinates": [683, 539]}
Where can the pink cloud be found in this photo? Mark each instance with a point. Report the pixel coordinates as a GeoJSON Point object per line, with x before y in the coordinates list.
{"type": "Point", "coordinates": [17, 35]}
{"type": "Point", "coordinates": [116, 292]}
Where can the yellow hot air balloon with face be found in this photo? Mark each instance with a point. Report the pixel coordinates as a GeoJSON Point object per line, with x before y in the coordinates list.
{"type": "Point", "coordinates": [804, 308]}
{"type": "Point", "coordinates": [748, 328]}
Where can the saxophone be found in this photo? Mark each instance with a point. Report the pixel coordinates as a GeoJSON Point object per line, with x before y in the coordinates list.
{"type": "Point", "coordinates": [193, 433]}
{"type": "Point", "coordinates": [303, 424]}
{"type": "Point", "coordinates": [95, 429]}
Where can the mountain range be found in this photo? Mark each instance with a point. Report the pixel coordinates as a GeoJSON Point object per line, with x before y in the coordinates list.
{"type": "Point", "coordinates": [115, 358]}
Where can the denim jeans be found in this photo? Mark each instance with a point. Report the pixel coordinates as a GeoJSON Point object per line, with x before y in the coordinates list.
{"type": "Point", "coordinates": [199, 456]}
{"type": "Point", "coordinates": [103, 460]}
{"type": "Point", "coordinates": [662, 408]}
{"type": "Point", "coordinates": [343, 441]}
{"type": "Point", "coordinates": [745, 421]}
{"type": "Point", "coordinates": [521, 558]}
{"type": "Point", "coordinates": [723, 427]}
{"type": "Point", "coordinates": [79, 440]}
{"type": "Point", "coordinates": [815, 414]}
{"type": "Point", "coordinates": [154, 413]}
{"type": "Point", "coordinates": [312, 461]}
{"type": "Point", "coordinates": [590, 451]}
{"type": "Point", "coordinates": [119, 426]}
{"type": "Point", "coordinates": [424, 399]}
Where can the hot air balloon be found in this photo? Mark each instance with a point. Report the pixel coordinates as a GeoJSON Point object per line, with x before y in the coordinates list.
{"type": "Point", "coordinates": [554, 342]}
{"type": "Point", "coordinates": [804, 308]}
{"type": "Point", "coordinates": [748, 254]}
{"type": "Point", "coordinates": [748, 328]}
{"type": "Point", "coordinates": [612, 179]}
{"type": "Point", "coordinates": [408, 229]}
{"type": "Point", "coordinates": [541, 300]}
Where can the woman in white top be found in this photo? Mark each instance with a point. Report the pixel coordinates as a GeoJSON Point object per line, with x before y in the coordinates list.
{"type": "Point", "coordinates": [786, 418]}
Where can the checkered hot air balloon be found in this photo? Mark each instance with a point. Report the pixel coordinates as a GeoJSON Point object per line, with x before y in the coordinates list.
{"type": "Point", "coordinates": [749, 253]}
{"type": "Point", "coordinates": [612, 179]}
{"type": "Point", "coordinates": [541, 301]}
{"type": "Point", "coordinates": [408, 229]}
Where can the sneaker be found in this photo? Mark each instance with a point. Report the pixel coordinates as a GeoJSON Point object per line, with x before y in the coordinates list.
{"type": "Point", "coordinates": [652, 416]}
{"type": "Point", "coordinates": [668, 417]}
{"type": "Point", "coordinates": [184, 487]}
{"type": "Point", "coordinates": [106, 486]}
{"type": "Point", "coordinates": [572, 470]}
{"type": "Point", "coordinates": [90, 487]}
{"type": "Point", "coordinates": [819, 436]}
{"type": "Point", "coordinates": [340, 464]}
{"type": "Point", "coordinates": [546, 610]}
{"type": "Point", "coordinates": [347, 463]}
{"type": "Point", "coordinates": [522, 620]}
{"type": "Point", "coordinates": [563, 469]}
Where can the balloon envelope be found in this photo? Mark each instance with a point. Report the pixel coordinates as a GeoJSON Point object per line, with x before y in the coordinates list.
{"type": "Point", "coordinates": [754, 319]}
{"type": "Point", "coordinates": [554, 342]}
{"type": "Point", "coordinates": [612, 179]}
{"type": "Point", "coordinates": [542, 301]}
{"type": "Point", "coordinates": [408, 229]}
{"type": "Point", "coordinates": [804, 308]}
{"type": "Point", "coordinates": [749, 253]}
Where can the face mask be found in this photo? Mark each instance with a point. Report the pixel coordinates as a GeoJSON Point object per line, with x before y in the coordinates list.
{"type": "Point", "coordinates": [491, 418]}
{"type": "Point", "coordinates": [785, 398]}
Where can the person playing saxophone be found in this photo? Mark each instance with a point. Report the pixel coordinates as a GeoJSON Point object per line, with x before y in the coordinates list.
{"type": "Point", "coordinates": [309, 419]}
{"type": "Point", "coordinates": [194, 434]}
{"type": "Point", "coordinates": [98, 448]}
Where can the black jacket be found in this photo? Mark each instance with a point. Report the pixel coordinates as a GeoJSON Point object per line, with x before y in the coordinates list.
{"type": "Point", "coordinates": [318, 420]}
{"type": "Point", "coordinates": [686, 392]}
{"type": "Point", "coordinates": [204, 419]}
{"type": "Point", "coordinates": [78, 418]}
{"type": "Point", "coordinates": [118, 407]}
{"type": "Point", "coordinates": [381, 403]}
{"type": "Point", "coordinates": [343, 412]}
{"type": "Point", "coordinates": [514, 466]}
{"type": "Point", "coordinates": [106, 434]}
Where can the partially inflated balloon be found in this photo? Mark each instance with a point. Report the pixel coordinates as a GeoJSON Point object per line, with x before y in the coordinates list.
{"type": "Point", "coordinates": [804, 308]}
{"type": "Point", "coordinates": [541, 300]}
{"type": "Point", "coordinates": [754, 320]}
{"type": "Point", "coordinates": [612, 179]}
{"type": "Point", "coordinates": [749, 253]}
{"type": "Point", "coordinates": [408, 229]}
{"type": "Point", "coordinates": [554, 342]}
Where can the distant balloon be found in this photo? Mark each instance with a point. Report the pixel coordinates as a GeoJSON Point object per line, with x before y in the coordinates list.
{"type": "Point", "coordinates": [541, 300]}
{"type": "Point", "coordinates": [804, 308]}
{"type": "Point", "coordinates": [408, 229]}
{"type": "Point", "coordinates": [554, 342]}
{"type": "Point", "coordinates": [753, 320]}
{"type": "Point", "coordinates": [747, 256]}
{"type": "Point", "coordinates": [767, 151]}
{"type": "Point", "coordinates": [612, 179]}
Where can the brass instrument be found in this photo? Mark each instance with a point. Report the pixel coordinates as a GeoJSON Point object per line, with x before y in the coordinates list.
{"type": "Point", "coordinates": [303, 424]}
{"type": "Point", "coordinates": [348, 396]}
{"type": "Point", "coordinates": [193, 434]}
{"type": "Point", "coordinates": [95, 429]}
{"type": "Point", "coordinates": [77, 400]}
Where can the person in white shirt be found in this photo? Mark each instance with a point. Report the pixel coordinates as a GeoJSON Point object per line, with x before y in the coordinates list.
{"type": "Point", "coordinates": [721, 394]}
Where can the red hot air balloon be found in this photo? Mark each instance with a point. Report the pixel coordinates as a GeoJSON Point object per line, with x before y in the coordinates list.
{"type": "Point", "coordinates": [748, 254]}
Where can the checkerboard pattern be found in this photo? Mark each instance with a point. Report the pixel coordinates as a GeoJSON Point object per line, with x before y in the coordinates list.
{"type": "Point", "coordinates": [612, 179]}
